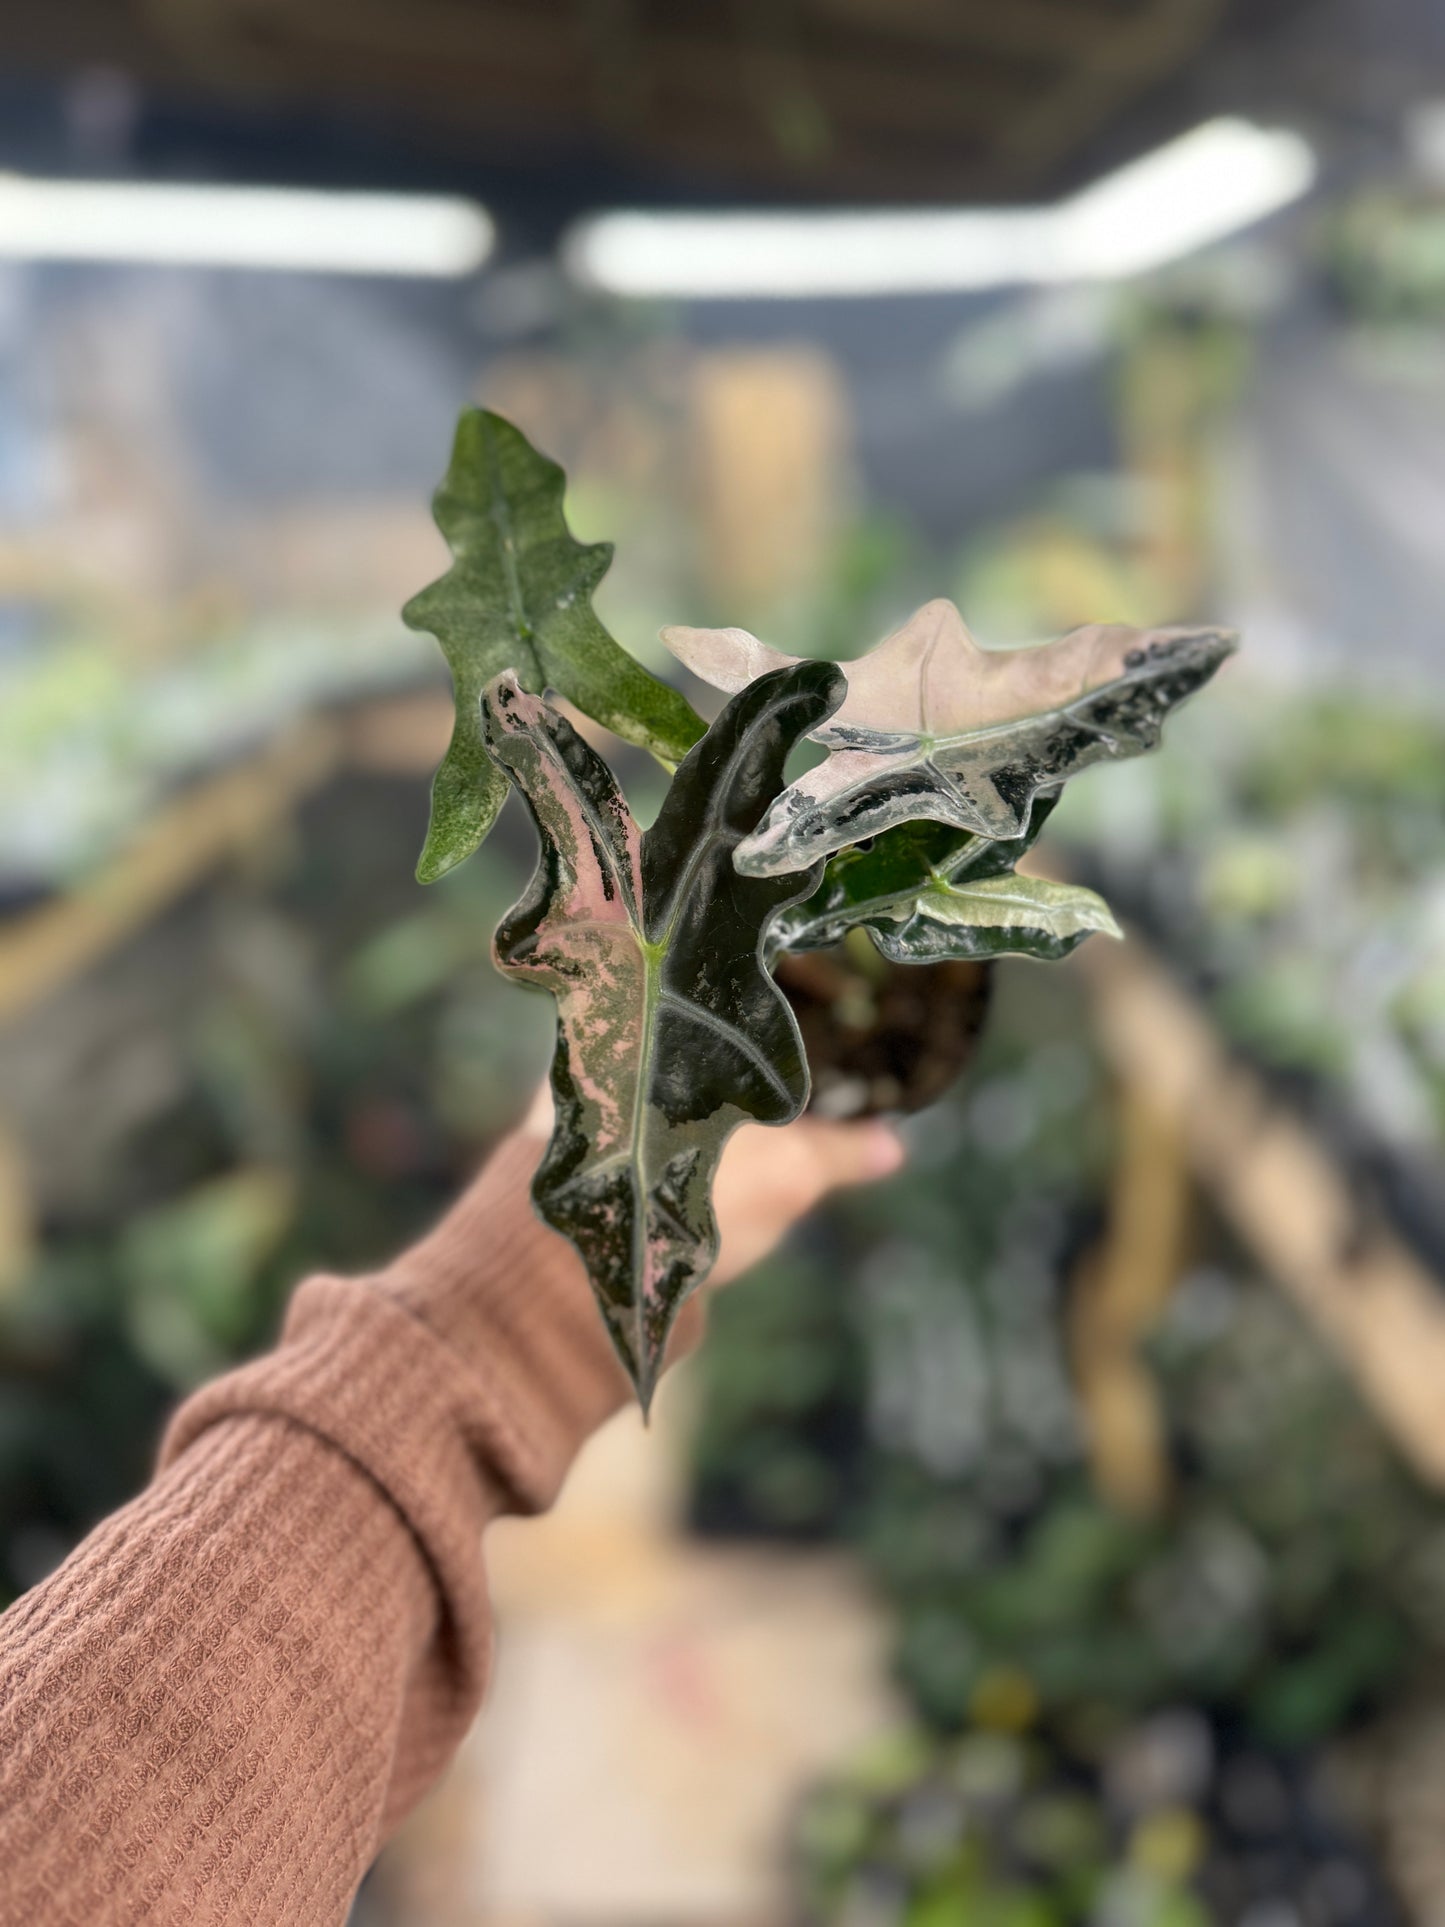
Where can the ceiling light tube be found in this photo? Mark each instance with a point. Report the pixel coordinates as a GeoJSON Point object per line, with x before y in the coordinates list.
{"type": "Point", "coordinates": [300, 230]}
{"type": "Point", "coordinates": [1213, 181]}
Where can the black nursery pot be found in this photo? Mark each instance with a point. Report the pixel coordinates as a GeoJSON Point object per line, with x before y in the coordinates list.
{"type": "Point", "coordinates": [880, 1036]}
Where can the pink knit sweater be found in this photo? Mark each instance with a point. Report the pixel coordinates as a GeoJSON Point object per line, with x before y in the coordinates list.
{"type": "Point", "coordinates": [223, 1702]}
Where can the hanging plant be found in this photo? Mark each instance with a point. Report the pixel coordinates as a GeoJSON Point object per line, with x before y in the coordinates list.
{"type": "Point", "coordinates": [662, 947]}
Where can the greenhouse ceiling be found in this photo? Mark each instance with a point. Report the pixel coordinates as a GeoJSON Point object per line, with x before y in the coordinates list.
{"type": "Point", "coordinates": [586, 103]}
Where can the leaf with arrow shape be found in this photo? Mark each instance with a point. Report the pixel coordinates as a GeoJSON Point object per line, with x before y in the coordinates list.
{"type": "Point", "coordinates": [518, 597]}
{"type": "Point", "coordinates": [928, 893]}
{"type": "Point", "coordinates": [936, 728]}
{"type": "Point", "coordinates": [670, 1030]}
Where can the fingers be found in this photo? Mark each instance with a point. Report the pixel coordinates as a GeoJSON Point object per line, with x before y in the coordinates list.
{"type": "Point", "coordinates": [851, 1153]}
{"type": "Point", "coordinates": [538, 1121]}
{"type": "Point", "coordinates": [768, 1179]}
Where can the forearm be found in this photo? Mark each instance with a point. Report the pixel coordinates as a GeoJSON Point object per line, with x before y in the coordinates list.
{"type": "Point", "coordinates": [199, 1711]}
{"type": "Point", "coordinates": [220, 1703]}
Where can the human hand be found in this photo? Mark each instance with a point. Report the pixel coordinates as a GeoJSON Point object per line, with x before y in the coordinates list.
{"type": "Point", "coordinates": [771, 1176]}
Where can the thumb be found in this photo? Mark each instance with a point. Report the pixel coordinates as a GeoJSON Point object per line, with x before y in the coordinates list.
{"type": "Point", "coordinates": [852, 1153]}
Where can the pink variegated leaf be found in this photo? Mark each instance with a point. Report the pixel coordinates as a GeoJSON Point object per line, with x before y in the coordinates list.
{"type": "Point", "coordinates": [935, 728]}
{"type": "Point", "coordinates": [670, 1030]}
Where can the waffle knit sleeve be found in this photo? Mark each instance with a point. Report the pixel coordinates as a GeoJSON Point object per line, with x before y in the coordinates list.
{"type": "Point", "coordinates": [220, 1704]}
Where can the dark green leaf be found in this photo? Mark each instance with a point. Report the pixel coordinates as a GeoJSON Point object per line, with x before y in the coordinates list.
{"type": "Point", "coordinates": [518, 597]}
{"type": "Point", "coordinates": [670, 1030]}
{"type": "Point", "coordinates": [929, 893]}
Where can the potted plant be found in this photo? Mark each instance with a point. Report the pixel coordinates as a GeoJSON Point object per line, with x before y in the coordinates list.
{"type": "Point", "coordinates": [662, 947]}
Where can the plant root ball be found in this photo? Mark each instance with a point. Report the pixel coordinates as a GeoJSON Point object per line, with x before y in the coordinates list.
{"type": "Point", "coordinates": [880, 1036]}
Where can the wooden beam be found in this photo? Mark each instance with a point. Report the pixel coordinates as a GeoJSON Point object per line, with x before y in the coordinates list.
{"type": "Point", "coordinates": [1121, 1294]}
{"type": "Point", "coordinates": [17, 1221]}
{"type": "Point", "coordinates": [1144, 48]}
{"type": "Point", "coordinates": [47, 947]}
{"type": "Point", "coordinates": [944, 100]}
{"type": "Point", "coordinates": [1369, 1296]}
{"type": "Point", "coordinates": [505, 59]}
{"type": "Point", "coordinates": [1039, 30]}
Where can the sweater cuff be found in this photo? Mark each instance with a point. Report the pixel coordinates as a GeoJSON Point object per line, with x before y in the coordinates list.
{"type": "Point", "coordinates": [482, 1343]}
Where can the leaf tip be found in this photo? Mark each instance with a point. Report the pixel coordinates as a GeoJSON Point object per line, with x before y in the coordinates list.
{"type": "Point", "coordinates": [1210, 646]}
{"type": "Point", "coordinates": [641, 1360]}
{"type": "Point", "coordinates": [1215, 645]}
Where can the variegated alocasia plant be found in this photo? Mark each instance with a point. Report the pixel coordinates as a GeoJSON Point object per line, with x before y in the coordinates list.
{"type": "Point", "coordinates": [944, 762]}
{"type": "Point", "coordinates": [670, 1031]}
{"type": "Point", "coordinates": [518, 597]}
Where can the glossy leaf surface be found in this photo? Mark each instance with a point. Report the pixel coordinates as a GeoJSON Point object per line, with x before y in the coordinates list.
{"type": "Point", "coordinates": [670, 1030]}
{"type": "Point", "coordinates": [936, 728]}
{"type": "Point", "coordinates": [518, 597]}
{"type": "Point", "coordinates": [928, 893]}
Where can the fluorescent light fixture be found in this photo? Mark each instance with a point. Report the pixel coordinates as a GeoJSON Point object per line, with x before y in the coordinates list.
{"type": "Point", "coordinates": [1221, 177]}
{"type": "Point", "coordinates": [304, 230]}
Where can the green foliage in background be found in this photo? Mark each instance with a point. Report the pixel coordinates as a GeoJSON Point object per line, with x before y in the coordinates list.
{"type": "Point", "coordinates": [1164, 1822]}
{"type": "Point", "coordinates": [293, 1070]}
{"type": "Point", "coordinates": [1290, 857]}
{"type": "Point", "coordinates": [1296, 1580]}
